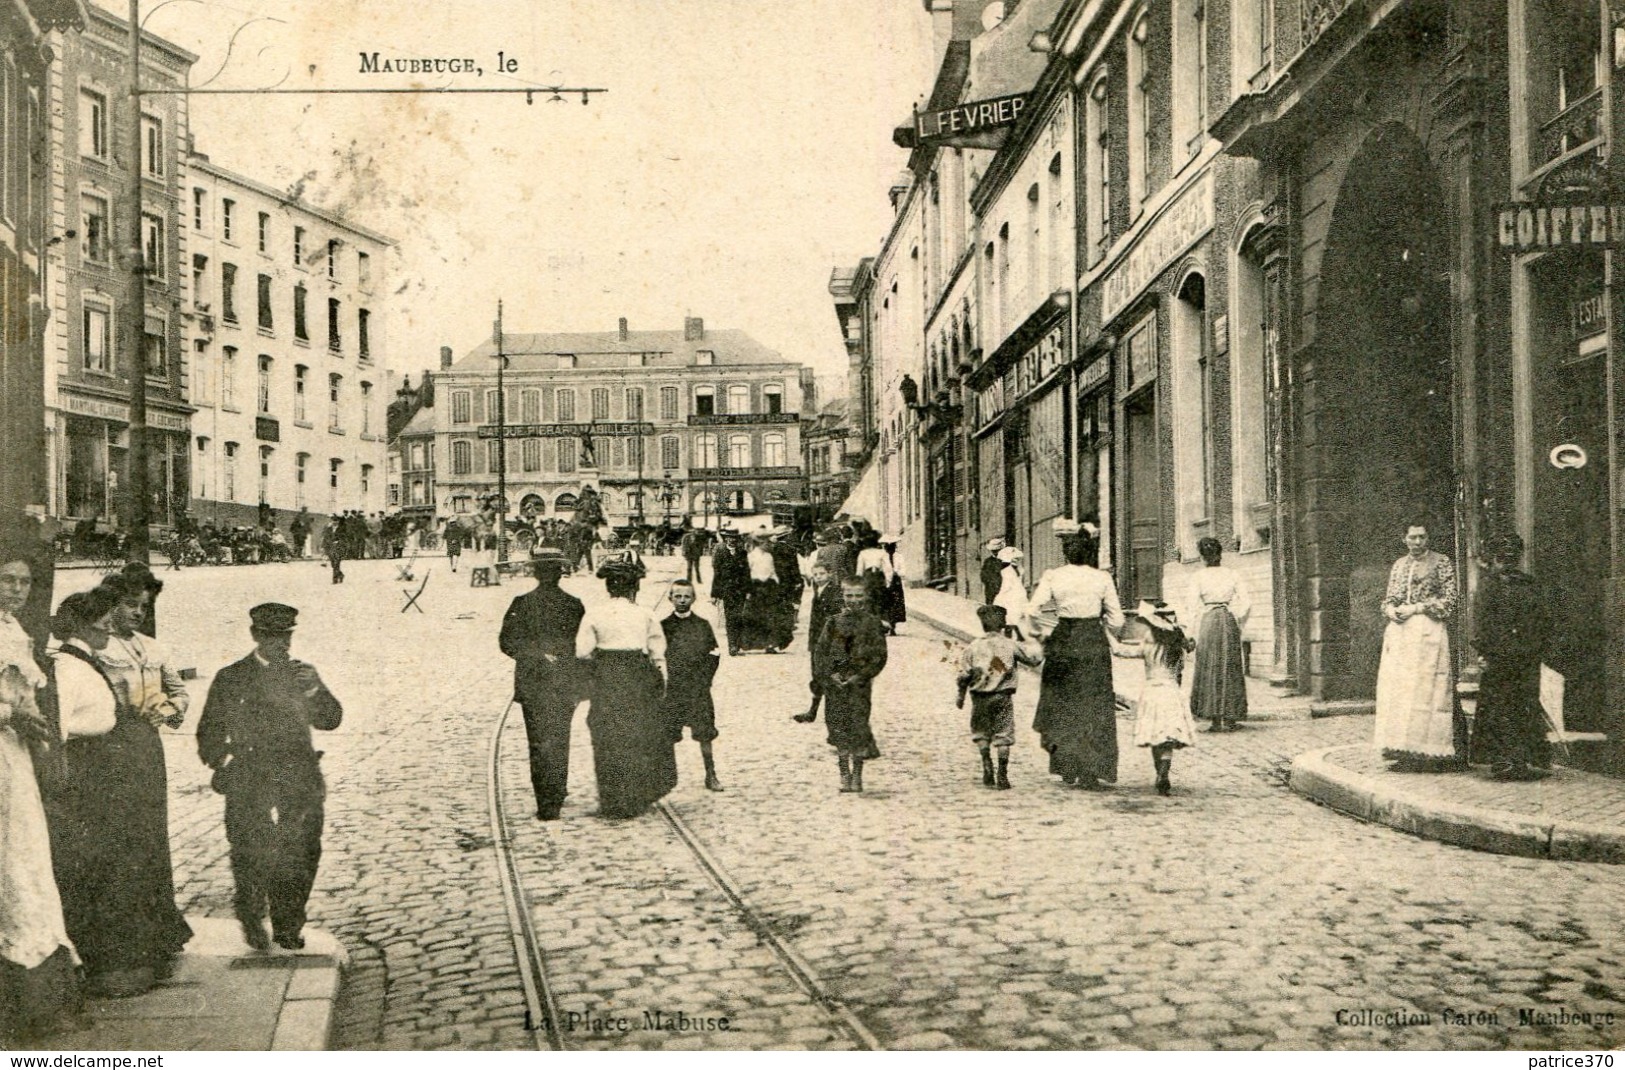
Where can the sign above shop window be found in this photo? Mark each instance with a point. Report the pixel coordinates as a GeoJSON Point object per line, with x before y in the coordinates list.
{"type": "Point", "coordinates": [1534, 226]}
{"type": "Point", "coordinates": [1175, 230]}
{"type": "Point", "coordinates": [1588, 310]}
{"type": "Point", "coordinates": [1035, 367]}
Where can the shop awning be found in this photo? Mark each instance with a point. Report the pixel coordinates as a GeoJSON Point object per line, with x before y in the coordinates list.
{"type": "Point", "coordinates": [864, 499]}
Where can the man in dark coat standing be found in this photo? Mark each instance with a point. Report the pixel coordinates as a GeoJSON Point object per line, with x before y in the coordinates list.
{"type": "Point", "coordinates": [1512, 629]}
{"type": "Point", "coordinates": [992, 571]}
{"type": "Point", "coordinates": [693, 544]}
{"type": "Point", "coordinates": [730, 585]}
{"type": "Point", "coordinates": [787, 568]}
{"type": "Point", "coordinates": [539, 634]}
{"type": "Point", "coordinates": [691, 664]}
{"type": "Point", "coordinates": [255, 735]}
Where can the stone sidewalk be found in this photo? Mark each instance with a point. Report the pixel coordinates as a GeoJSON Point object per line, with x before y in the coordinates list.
{"type": "Point", "coordinates": [1572, 816]}
{"type": "Point", "coordinates": [223, 997]}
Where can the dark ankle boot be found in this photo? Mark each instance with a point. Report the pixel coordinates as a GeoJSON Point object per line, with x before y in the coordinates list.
{"type": "Point", "coordinates": [857, 774]}
{"type": "Point", "coordinates": [987, 770]}
{"type": "Point", "coordinates": [1004, 772]}
{"type": "Point", "coordinates": [846, 774]}
{"type": "Point", "coordinates": [1163, 785]}
{"type": "Point", "coordinates": [711, 781]}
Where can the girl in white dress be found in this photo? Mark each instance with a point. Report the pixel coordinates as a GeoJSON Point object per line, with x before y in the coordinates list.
{"type": "Point", "coordinates": [1162, 717]}
{"type": "Point", "coordinates": [1012, 587]}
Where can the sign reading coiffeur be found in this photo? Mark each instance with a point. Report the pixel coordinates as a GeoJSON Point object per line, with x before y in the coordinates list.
{"type": "Point", "coordinates": [1532, 226]}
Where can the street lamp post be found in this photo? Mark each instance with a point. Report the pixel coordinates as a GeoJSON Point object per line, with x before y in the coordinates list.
{"type": "Point", "coordinates": [136, 332]}
{"type": "Point", "coordinates": [502, 450]}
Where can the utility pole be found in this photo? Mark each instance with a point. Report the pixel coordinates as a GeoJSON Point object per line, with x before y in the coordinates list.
{"type": "Point", "coordinates": [136, 331]}
{"type": "Point", "coordinates": [502, 449]}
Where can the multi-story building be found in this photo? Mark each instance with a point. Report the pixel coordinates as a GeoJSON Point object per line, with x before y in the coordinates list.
{"type": "Point", "coordinates": [27, 150]}
{"type": "Point", "coordinates": [663, 424]}
{"type": "Point", "coordinates": [93, 322]}
{"type": "Point", "coordinates": [409, 479]}
{"type": "Point", "coordinates": [286, 303]}
{"type": "Point", "coordinates": [826, 444]}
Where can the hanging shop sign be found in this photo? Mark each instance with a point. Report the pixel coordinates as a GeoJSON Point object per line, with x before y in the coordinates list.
{"type": "Point", "coordinates": [1175, 230]}
{"type": "Point", "coordinates": [1097, 372]}
{"type": "Point", "coordinates": [1534, 226]}
{"type": "Point", "coordinates": [968, 124]}
{"type": "Point", "coordinates": [565, 430]}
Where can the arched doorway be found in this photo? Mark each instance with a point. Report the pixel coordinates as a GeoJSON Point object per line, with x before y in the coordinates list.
{"type": "Point", "coordinates": [1377, 412]}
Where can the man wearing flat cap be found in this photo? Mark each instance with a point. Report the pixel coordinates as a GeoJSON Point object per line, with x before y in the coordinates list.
{"type": "Point", "coordinates": [255, 735]}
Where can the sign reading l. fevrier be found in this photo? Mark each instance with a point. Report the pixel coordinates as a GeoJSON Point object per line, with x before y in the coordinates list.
{"type": "Point", "coordinates": [1532, 226]}
{"type": "Point", "coordinates": [972, 117]}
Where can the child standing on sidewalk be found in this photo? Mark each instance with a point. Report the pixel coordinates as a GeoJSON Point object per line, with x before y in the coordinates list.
{"type": "Point", "coordinates": [987, 670]}
{"type": "Point", "coordinates": [1162, 717]}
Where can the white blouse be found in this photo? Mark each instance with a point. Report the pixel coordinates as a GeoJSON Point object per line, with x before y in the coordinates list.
{"type": "Point", "coordinates": [621, 625]}
{"type": "Point", "coordinates": [874, 560]}
{"type": "Point", "coordinates": [761, 564]}
{"type": "Point", "coordinates": [1073, 591]}
{"type": "Point", "coordinates": [142, 667]}
{"type": "Point", "coordinates": [84, 701]}
{"type": "Point", "coordinates": [1216, 586]}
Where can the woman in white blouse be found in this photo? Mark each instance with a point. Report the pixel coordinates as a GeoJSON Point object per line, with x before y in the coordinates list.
{"type": "Point", "coordinates": [113, 861]}
{"type": "Point", "coordinates": [1071, 610]}
{"type": "Point", "coordinates": [1218, 608]}
{"type": "Point", "coordinates": [38, 981]}
{"type": "Point", "coordinates": [1012, 594]}
{"type": "Point", "coordinates": [634, 757]}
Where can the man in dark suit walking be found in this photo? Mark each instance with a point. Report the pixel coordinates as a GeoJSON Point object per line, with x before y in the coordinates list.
{"type": "Point", "coordinates": [730, 584]}
{"type": "Point", "coordinates": [255, 735]}
{"type": "Point", "coordinates": [539, 634]}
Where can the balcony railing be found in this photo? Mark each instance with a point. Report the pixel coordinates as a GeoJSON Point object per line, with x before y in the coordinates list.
{"type": "Point", "coordinates": [1576, 126]}
{"type": "Point", "coordinates": [1318, 15]}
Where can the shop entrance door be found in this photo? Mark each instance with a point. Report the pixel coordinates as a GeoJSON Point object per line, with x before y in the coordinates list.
{"type": "Point", "coordinates": [1569, 551]}
{"type": "Point", "coordinates": [1144, 518]}
{"type": "Point", "coordinates": [1017, 488]}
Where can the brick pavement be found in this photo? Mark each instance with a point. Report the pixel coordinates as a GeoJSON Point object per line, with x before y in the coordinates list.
{"type": "Point", "coordinates": [1232, 915]}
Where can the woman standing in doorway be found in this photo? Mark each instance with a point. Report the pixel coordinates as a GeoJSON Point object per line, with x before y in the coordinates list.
{"type": "Point", "coordinates": [1219, 609]}
{"type": "Point", "coordinates": [1416, 694]}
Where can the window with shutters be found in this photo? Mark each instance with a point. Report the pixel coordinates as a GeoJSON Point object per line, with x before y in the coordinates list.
{"type": "Point", "coordinates": [567, 408]}
{"type": "Point", "coordinates": [668, 403]}
{"type": "Point", "coordinates": [532, 450]}
{"type": "Point", "coordinates": [461, 407]}
{"type": "Point", "coordinates": [530, 406]}
{"type": "Point", "coordinates": [634, 403]}
{"type": "Point", "coordinates": [669, 452]}
{"type": "Point", "coordinates": [600, 403]}
{"type": "Point", "coordinates": [462, 457]}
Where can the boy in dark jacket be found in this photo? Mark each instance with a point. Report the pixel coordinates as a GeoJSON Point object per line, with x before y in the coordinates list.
{"type": "Point", "coordinates": [826, 605]}
{"type": "Point", "coordinates": [848, 656]}
{"type": "Point", "coordinates": [691, 664]}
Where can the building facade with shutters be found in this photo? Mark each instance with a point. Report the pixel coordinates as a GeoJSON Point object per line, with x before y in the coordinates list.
{"type": "Point", "coordinates": [87, 340]}
{"type": "Point", "coordinates": [697, 423]}
{"type": "Point", "coordinates": [285, 307]}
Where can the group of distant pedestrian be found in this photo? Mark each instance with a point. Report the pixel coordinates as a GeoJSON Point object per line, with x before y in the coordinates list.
{"type": "Point", "coordinates": [87, 891]}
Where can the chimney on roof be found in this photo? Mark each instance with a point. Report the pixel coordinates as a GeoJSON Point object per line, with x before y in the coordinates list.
{"type": "Point", "coordinates": [445, 356]}
{"type": "Point", "coordinates": [693, 329]}
{"type": "Point", "coordinates": [623, 328]}
{"type": "Point", "coordinates": [406, 393]}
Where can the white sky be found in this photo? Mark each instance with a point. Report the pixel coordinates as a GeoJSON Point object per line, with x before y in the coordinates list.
{"type": "Point", "coordinates": [742, 151]}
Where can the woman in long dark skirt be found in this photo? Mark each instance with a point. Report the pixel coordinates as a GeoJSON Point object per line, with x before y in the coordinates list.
{"type": "Point", "coordinates": [632, 751]}
{"type": "Point", "coordinates": [110, 834]}
{"type": "Point", "coordinates": [1219, 607]}
{"type": "Point", "coordinates": [1071, 609]}
{"type": "Point", "coordinates": [896, 603]}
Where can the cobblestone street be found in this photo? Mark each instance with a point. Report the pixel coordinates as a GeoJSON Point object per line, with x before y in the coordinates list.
{"type": "Point", "coordinates": [1232, 915]}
